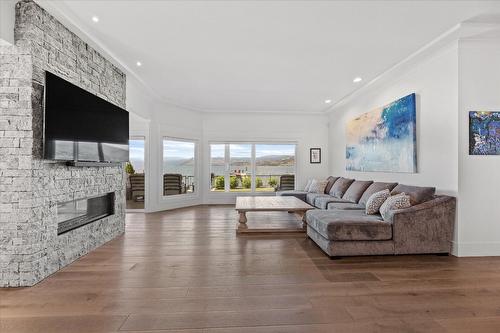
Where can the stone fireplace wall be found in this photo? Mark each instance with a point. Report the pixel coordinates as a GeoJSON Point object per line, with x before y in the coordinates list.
{"type": "Point", "coordinates": [31, 187]}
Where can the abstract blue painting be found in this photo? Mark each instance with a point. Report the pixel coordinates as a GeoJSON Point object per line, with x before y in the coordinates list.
{"type": "Point", "coordinates": [385, 139]}
{"type": "Point", "coordinates": [484, 133]}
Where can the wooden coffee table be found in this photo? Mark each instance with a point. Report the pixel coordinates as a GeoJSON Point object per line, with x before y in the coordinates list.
{"type": "Point", "coordinates": [271, 204]}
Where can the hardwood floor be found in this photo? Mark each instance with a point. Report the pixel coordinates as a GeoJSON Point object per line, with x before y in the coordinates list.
{"type": "Point", "coordinates": [187, 271]}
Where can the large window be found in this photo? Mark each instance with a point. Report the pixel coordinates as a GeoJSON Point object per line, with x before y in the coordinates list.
{"type": "Point", "coordinates": [179, 166]}
{"type": "Point", "coordinates": [250, 167]}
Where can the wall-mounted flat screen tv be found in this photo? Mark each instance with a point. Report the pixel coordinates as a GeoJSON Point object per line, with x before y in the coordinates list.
{"type": "Point", "coordinates": [80, 126]}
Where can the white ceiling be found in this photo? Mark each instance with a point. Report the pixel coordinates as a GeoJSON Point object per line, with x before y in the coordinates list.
{"type": "Point", "coordinates": [286, 56]}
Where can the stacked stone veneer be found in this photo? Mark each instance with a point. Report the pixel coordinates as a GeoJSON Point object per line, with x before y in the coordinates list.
{"type": "Point", "coordinates": [31, 187]}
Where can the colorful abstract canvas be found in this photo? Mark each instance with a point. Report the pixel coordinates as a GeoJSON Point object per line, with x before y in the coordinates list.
{"type": "Point", "coordinates": [384, 139]}
{"type": "Point", "coordinates": [484, 133]}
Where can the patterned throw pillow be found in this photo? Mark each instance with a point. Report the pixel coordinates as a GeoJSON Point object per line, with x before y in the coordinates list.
{"type": "Point", "coordinates": [308, 185]}
{"type": "Point", "coordinates": [317, 186]}
{"type": "Point", "coordinates": [376, 200]}
{"type": "Point", "coordinates": [398, 201]}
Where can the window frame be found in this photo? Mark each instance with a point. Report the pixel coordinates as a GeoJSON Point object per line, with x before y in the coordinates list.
{"type": "Point", "coordinates": [196, 181]}
{"type": "Point", "coordinates": [227, 159]}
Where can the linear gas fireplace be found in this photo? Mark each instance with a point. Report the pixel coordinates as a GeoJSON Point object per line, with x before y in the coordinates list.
{"type": "Point", "coordinates": [77, 213]}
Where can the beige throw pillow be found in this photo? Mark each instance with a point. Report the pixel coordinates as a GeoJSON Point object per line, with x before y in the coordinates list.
{"type": "Point", "coordinates": [376, 200]}
{"type": "Point", "coordinates": [398, 201]}
{"type": "Point", "coordinates": [317, 186]}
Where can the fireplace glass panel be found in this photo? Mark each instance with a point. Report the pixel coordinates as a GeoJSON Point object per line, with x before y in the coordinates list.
{"type": "Point", "coordinates": [77, 213]}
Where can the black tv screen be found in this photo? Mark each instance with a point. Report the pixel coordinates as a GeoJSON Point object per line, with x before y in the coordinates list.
{"type": "Point", "coordinates": [80, 126]}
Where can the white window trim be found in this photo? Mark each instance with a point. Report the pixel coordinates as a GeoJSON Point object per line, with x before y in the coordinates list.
{"type": "Point", "coordinates": [227, 158]}
{"type": "Point", "coordinates": [196, 193]}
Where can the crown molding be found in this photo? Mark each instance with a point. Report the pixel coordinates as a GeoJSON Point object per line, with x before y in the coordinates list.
{"type": "Point", "coordinates": [465, 30]}
{"type": "Point", "coordinates": [401, 67]}
{"type": "Point", "coordinates": [274, 112]}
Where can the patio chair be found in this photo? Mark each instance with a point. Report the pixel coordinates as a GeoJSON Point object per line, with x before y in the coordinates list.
{"type": "Point", "coordinates": [172, 184]}
{"type": "Point", "coordinates": [287, 182]}
{"type": "Point", "coordinates": [137, 186]}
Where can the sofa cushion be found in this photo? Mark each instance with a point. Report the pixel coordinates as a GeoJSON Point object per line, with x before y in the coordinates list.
{"type": "Point", "coordinates": [331, 181]}
{"type": "Point", "coordinates": [318, 186]}
{"type": "Point", "coordinates": [356, 190]}
{"type": "Point", "coordinates": [348, 225]}
{"type": "Point", "coordinates": [398, 201]}
{"type": "Point", "coordinates": [417, 194]}
{"type": "Point", "coordinates": [374, 188]}
{"type": "Point", "coordinates": [311, 197]}
{"type": "Point", "coordinates": [345, 205]}
{"type": "Point", "coordinates": [323, 201]}
{"type": "Point", "coordinates": [340, 186]}
{"type": "Point", "coordinates": [376, 201]}
{"type": "Point", "coordinates": [293, 193]}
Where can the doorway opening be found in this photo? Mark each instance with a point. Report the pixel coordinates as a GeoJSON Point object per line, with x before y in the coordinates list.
{"type": "Point", "coordinates": [136, 190]}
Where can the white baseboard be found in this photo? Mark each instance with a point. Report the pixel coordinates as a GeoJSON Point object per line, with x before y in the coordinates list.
{"type": "Point", "coordinates": [475, 249]}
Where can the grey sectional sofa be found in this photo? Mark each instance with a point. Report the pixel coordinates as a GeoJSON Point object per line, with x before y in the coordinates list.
{"type": "Point", "coordinates": [340, 226]}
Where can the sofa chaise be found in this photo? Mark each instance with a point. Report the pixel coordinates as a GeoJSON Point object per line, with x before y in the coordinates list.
{"type": "Point", "coordinates": [341, 227]}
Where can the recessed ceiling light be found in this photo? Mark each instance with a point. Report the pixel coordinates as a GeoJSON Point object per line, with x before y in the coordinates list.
{"type": "Point", "coordinates": [328, 101]}
{"type": "Point", "coordinates": [95, 19]}
{"type": "Point", "coordinates": [357, 79]}
{"type": "Point", "coordinates": [139, 64]}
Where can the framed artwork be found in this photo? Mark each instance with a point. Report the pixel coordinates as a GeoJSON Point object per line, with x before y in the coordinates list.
{"type": "Point", "coordinates": [315, 155]}
{"type": "Point", "coordinates": [385, 139]}
{"type": "Point", "coordinates": [484, 133]}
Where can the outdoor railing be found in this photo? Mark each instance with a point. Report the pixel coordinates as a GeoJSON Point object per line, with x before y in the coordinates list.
{"type": "Point", "coordinates": [188, 182]}
{"type": "Point", "coordinates": [265, 178]}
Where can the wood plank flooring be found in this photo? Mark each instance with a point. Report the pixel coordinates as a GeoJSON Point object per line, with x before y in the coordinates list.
{"type": "Point", "coordinates": [187, 271]}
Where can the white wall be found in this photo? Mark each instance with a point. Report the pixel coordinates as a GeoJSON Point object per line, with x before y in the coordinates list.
{"type": "Point", "coordinates": [307, 131]}
{"type": "Point", "coordinates": [479, 176]}
{"type": "Point", "coordinates": [173, 122]}
{"type": "Point", "coordinates": [154, 119]}
{"type": "Point", "coordinates": [139, 100]}
{"type": "Point", "coordinates": [7, 18]}
{"type": "Point", "coordinates": [435, 82]}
